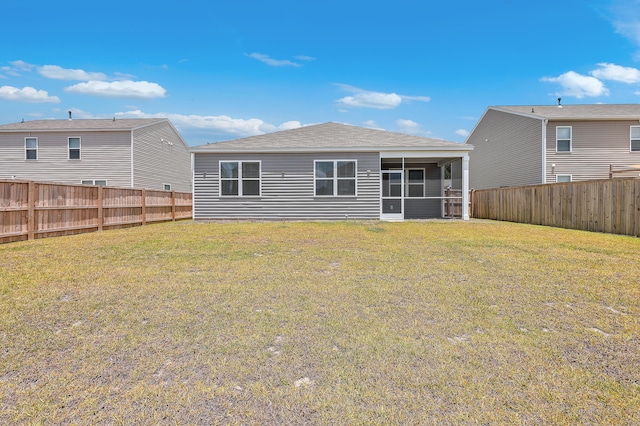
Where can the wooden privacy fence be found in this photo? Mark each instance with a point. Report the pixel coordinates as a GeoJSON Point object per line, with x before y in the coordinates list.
{"type": "Point", "coordinates": [606, 205]}
{"type": "Point", "coordinates": [30, 210]}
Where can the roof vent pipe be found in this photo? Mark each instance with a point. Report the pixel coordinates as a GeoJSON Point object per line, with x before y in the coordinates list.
{"type": "Point", "coordinates": [70, 116]}
{"type": "Point", "coordinates": [559, 102]}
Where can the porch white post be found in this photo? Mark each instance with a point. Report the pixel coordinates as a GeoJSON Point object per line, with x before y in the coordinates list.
{"type": "Point", "coordinates": [465, 187]}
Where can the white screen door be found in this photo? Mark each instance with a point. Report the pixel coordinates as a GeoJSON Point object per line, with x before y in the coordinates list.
{"type": "Point", "coordinates": [392, 206]}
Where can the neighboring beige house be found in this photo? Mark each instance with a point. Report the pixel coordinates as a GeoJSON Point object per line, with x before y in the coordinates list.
{"type": "Point", "coordinates": [136, 153]}
{"type": "Point", "coordinates": [527, 145]}
{"type": "Point", "coordinates": [328, 171]}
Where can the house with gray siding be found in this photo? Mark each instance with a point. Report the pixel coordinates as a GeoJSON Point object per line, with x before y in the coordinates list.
{"type": "Point", "coordinates": [327, 171]}
{"type": "Point", "coordinates": [136, 153]}
{"type": "Point", "coordinates": [528, 145]}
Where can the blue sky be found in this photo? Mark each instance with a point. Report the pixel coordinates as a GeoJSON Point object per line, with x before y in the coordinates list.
{"type": "Point", "coordinates": [223, 69]}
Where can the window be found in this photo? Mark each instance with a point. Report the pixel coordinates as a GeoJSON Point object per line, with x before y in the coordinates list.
{"type": "Point", "coordinates": [240, 178]}
{"type": "Point", "coordinates": [167, 187]}
{"type": "Point", "coordinates": [31, 148]}
{"type": "Point", "coordinates": [563, 139]}
{"type": "Point", "coordinates": [635, 138]}
{"type": "Point", "coordinates": [100, 182]}
{"type": "Point", "coordinates": [415, 183]}
{"type": "Point", "coordinates": [563, 178]}
{"type": "Point", "coordinates": [335, 178]}
{"type": "Point", "coordinates": [74, 148]}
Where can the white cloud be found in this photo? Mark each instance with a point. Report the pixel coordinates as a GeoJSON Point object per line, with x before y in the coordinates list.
{"type": "Point", "coordinates": [22, 65]}
{"type": "Point", "coordinates": [411, 127]}
{"type": "Point", "coordinates": [578, 85]}
{"type": "Point", "coordinates": [305, 58]}
{"type": "Point", "coordinates": [58, 73]}
{"type": "Point", "coordinates": [415, 98]}
{"type": "Point", "coordinates": [368, 99]}
{"type": "Point", "coordinates": [375, 100]}
{"type": "Point", "coordinates": [625, 19]}
{"type": "Point", "coordinates": [273, 62]}
{"type": "Point", "coordinates": [462, 132]}
{"type": "Point", "coordinates": [119, 89]}
{"type": "Point", "coordinates": [235, 126]}
{"type": "Point", "coordinates": [288, 125]}
{"type": "Point", "coordinates": [27, 94]}
{"type": "Point", "coordinates": [616, 73]}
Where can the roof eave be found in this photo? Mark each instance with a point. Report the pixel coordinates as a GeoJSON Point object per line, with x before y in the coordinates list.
{"type": "Point", "coordinates": [196, 150]}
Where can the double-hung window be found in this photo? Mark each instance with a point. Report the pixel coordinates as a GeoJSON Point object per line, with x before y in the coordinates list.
{"type": "Point", "coordinates": [635, 138]}
{"type": "Point", "coordinates": [74, 148]}
{"type": "Point", "coordinates": [335, 177]}
{"type": "Point", "coordinates": [563, 139]}
{"type": "Point", "coordinates": [31, 148]}
{"type": "Point", "coordinates": [415, 183]}
{"type": "Point", "coordinates": [240, 178]}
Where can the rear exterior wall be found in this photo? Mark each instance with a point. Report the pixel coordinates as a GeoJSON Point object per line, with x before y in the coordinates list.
{"type": "Point", "coordinates": [287, 188]}
{"type": "Point", "coordinates": [595, 145]}
{"type": "Point", "coordinates": [103, 156]}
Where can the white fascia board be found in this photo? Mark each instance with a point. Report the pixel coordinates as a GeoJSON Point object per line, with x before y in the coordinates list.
{"type": "Point", "coordinates": [387, 152]}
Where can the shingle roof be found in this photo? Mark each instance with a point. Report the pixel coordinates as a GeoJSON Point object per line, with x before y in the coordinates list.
{"type": "Point", "coordinates": [93, 124]}
{"type": "Point", "coordinates": [330, 137]}
{"type": "Point", "coordinates": [578, 112]}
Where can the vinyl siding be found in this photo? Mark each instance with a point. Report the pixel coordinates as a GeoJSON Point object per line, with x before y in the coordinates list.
{"type": "Point", "coordinates": [507, 151]}
{"type": "Point", "coordinates": [288, 196]}
{"type": "Point", "coordinates": [103, 155]}
{"type": "Point", "coordinates": [595, 145]}
{"type": "Point", "coordinates": [157, 162]}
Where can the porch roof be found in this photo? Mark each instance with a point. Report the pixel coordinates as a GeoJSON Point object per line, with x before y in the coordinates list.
{"type": "Point", "coordinates": [332, 137]}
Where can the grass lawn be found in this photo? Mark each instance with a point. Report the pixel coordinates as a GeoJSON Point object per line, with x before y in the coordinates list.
{"type": "Point", "coordinates": [440, 322]}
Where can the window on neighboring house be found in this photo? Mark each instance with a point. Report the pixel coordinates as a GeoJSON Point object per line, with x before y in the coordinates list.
{"type": "Point", "coordinates": [240, 178]}
{"type": "Point", "coordinates": [635, 138]}
{"type": "Point", "coordinates": [563, 139]}
{"type": "Point", "coordinates": [335, 177]}
{"type": "Point", "coordinates": [167, 187]}
{"type": "Point", "coordinates": [74, 148]}
{"type": "Point", "coordinates": [99, 182]}
{"type": "Point", "coordinates": [415, 183]}
{"type": "Point", "coordinates": [31, 148]}
{"type": "Point", "coordinates": [563, 178]}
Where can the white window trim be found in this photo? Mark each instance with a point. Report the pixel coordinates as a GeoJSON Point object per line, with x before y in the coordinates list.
{"type": "Point", "coordinates": [164, 186]}
{"type": "Point", "coordinates": [335, 178]}
{"type": "Point", "coordinates": [570, 178]}
{"type": "Point", "coordinates": [570, 139]}
{"type": "Point", "coordinates": [407, 183]}
{"type": "Point", "coordinates": [26, 149]}
{"type": "Point", "coordinates": [79, 148]}
{"type": "Point", "coordinates": [240, 191]}
{"type": "Point", "coordinates": [632, 139]}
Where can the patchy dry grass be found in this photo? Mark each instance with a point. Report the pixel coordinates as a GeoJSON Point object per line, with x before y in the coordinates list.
{"type": "Point", "coordinates": [321, 323]}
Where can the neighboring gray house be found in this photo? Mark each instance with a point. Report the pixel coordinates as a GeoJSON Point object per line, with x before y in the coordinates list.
{"type": "Point", "coordinates": [526, 145]}
{"type": "Point", "coordinates": [327, 171]}
{"type": "Point", "coordinates": [136, 153]}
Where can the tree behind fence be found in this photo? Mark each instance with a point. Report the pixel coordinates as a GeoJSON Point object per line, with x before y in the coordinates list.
{"type": "Point", "coordinates": [605, 205]}
{"type": "Point", "coordinates": [30, 210]}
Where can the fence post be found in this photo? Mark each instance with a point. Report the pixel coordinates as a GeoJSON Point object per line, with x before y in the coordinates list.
{"type": "Point", "coordinates": [31, 205]}
{"type": "Point", "coordinates": [144, 206]}
{"type": "Point", "coordinates": [173, 206]}
{"type": "Point", "coordinates": [100, 209]}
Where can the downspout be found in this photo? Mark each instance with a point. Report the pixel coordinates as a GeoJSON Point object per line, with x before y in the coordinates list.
{"type": "Point", "coordinates": [544, 150]}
